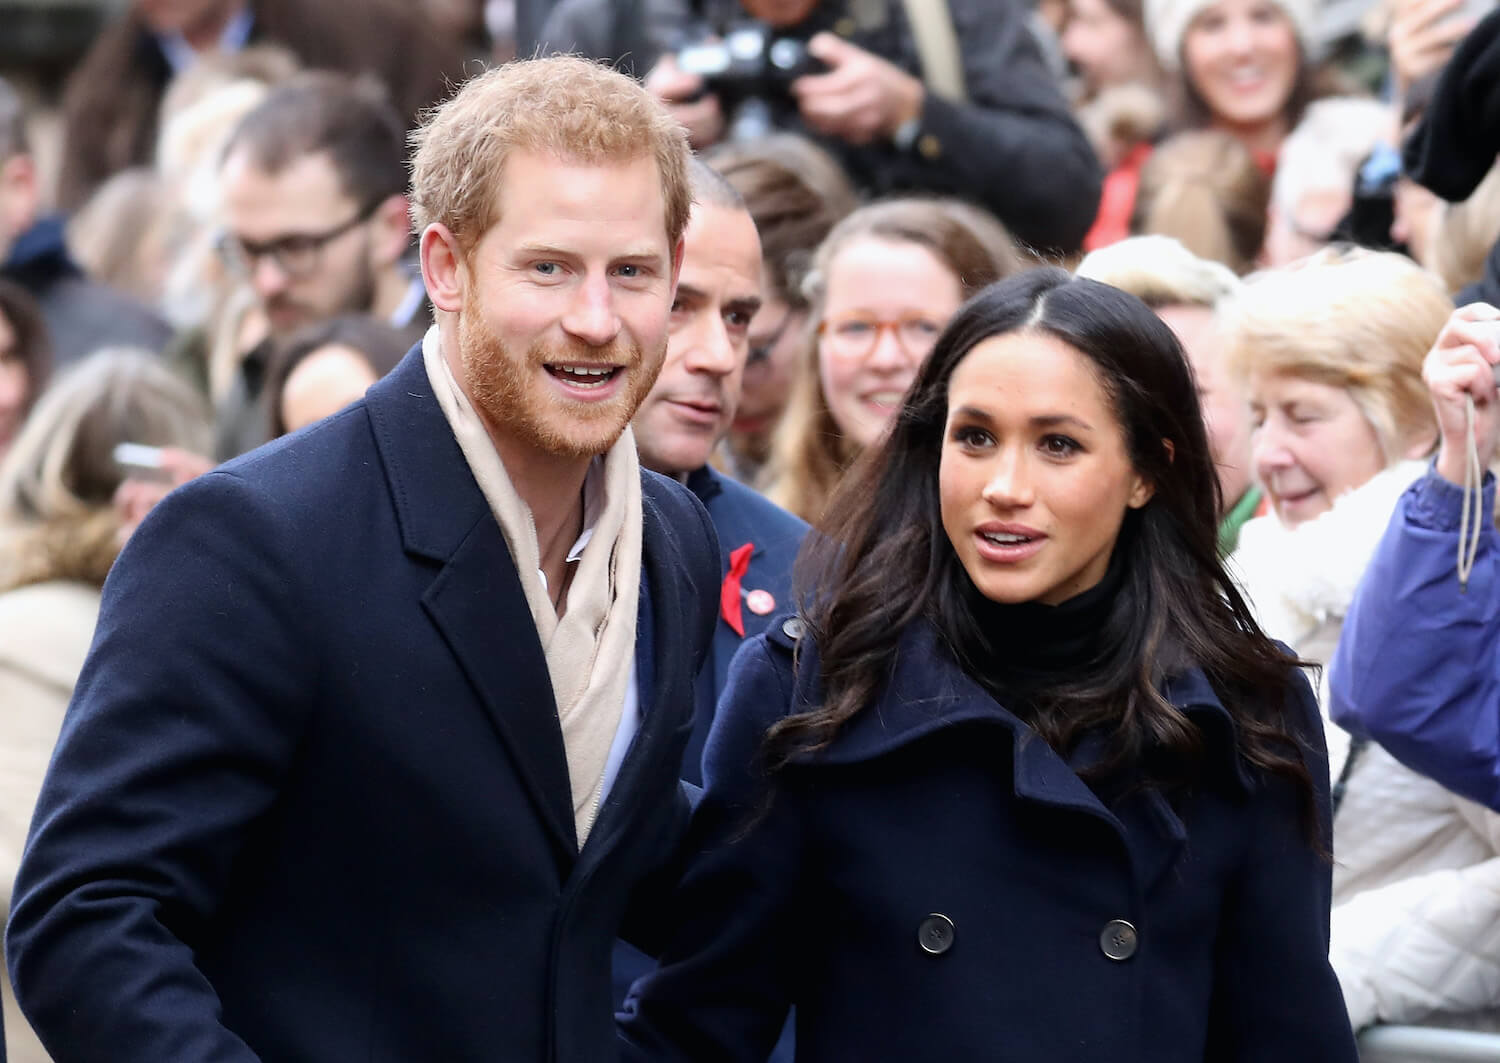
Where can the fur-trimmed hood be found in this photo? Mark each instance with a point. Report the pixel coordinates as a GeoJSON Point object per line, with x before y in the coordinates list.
{"type": "Point", "coordinates": [1297, 579]}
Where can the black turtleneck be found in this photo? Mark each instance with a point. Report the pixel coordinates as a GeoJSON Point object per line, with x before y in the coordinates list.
{"type": "Point", "coordinates": [1027, 648]}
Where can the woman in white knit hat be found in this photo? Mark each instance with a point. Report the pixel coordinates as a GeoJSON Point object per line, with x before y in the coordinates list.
{"type": "Point", "coordinates": [1238, 65]}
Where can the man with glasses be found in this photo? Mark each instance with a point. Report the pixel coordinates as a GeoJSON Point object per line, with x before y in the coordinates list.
{"type": "Point", "coordinates": [316, 223]}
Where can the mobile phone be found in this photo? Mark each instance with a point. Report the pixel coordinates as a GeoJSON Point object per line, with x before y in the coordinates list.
{"type": "Point", "coordinates": [141, 461]}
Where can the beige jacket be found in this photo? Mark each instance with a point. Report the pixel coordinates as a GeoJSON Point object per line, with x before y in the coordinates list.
{"type": "Point", "coordinates": [45, 631]}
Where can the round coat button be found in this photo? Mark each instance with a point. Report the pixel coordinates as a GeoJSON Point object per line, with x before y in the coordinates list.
{"type": "Point", "coordinates": [792, 627]}
{"type": "Point", "coordinates": [935, 934]}
{"type": "Point", "coordinates": [1119, 939]}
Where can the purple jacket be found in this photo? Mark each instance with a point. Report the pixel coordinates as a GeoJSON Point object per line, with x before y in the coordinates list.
{"type": "Point", "coordinates": [1417, 667]}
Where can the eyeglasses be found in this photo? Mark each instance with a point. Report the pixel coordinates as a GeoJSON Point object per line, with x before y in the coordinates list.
{"type": "Point", "coordinates": [296, 255]}
{"type": "Point", "coordinates": [855, 335]}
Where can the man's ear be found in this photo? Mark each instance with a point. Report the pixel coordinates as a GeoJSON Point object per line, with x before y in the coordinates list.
{"type": "Point", "coordinates": [392, 231]}
{"type": "Point", "coordinates": [444, 270]}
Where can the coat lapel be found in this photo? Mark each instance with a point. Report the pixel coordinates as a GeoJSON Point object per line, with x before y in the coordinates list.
{"type": "Point", "coordinates": [475, 600]}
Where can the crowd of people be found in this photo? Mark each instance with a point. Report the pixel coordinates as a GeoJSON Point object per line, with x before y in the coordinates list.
{"type": "Point", "coordinates": [772, 529]}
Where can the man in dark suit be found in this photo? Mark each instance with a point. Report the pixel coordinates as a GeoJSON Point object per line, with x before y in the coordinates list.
{"type": "Point", "coordinates": [688, 413]}
{"type": "Point", "coordinates": [685, 417]}
{"type": "Point", "coordinates": [378, 741]}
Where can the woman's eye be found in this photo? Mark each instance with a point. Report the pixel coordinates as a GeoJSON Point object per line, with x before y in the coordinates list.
{"type": "Point", "coordinates": [927, 328]}
{"type": "Point", "coordinates": [1060, 446]}
{"type": "Point", "coordinates": [853, 328]}
{"type": "Point", "coordinates": [970, 436]}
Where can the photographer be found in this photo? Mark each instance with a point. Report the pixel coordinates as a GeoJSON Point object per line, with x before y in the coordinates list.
{"type": "Point", "coordinates": [990, 126]}
{"type": "Point", "coordinates": [1416, 667]}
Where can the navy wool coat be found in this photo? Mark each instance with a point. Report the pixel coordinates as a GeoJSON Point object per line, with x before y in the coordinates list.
{"type": "Point", "coordinates": [939, 885]}
{"type": "Point", "coordinates": [311, 802]}
{"type": "Point", "coordinates": [740, 516]}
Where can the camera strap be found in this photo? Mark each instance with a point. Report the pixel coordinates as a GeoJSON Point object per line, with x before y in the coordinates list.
{"type": "Point", "coordinates": [937, 47]}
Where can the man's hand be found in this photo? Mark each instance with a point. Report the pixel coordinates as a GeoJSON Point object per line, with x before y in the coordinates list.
{"type": "Point", "coordinates": [1422, 36]}
{"type": "Point", "coordinates": [862, 97]}
{"type": "Point", "coordinates": [699, 112]}
{"type": "Point", "coordinates": [1462, 362]}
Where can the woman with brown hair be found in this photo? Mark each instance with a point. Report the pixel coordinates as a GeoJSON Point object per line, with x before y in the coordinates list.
{"type": "Point", "coordinates": [882, 286]}
{"type": "Point", "coordinates": [1024, 781]}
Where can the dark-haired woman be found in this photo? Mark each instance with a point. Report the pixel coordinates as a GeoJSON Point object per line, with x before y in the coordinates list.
{"type": "Point", "coordinates": [1024, 782]}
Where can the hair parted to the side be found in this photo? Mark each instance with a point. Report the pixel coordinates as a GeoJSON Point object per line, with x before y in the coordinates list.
{"type": "Point", "coordinates": [809, 453]}
{"type": "Point", "coordinates": [883, 560]}
{"type": "Point", "coordinates": [1160, 272]}
{"type": "Point", "coordinates": [570, 108]}
{"type": "Point", "coordinates": [58, 480]}
{"type": "Point", "coordinates": [350, 119]}
{"type": "Point", "coordinates": [1356, 319]}
{"type": "Point", "coordinates": [1204, 189]}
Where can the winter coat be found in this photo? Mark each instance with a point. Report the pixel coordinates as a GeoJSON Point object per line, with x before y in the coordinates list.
{"type": "Point", "coordinates": [82, 315]}
{"type": "Point", "coordinates": [1418, 668]}
{"type": "Point", "coordinates": [45, 630]}
{"type": "Point", "coordinates": [939, 885]}
{"type": "Point", "coordinates": [112, 99]}
{"type": "Point", "coordinates": [1012, 146]}
{"type": "Point", "coordinates": [1416, 881]}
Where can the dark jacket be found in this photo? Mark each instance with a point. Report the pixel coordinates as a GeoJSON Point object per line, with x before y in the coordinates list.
{"type": "Point", "coordinates": [1417, 667]}
{"type": "Point", "coordinates": [740, 516]}
{"type": "Point", "coordinates": [111, 100]}
{"type": "Point", "coordinates": [939, 885]}
{"type": "Point", "coordinates": [311, 799]}
{"type": "Point", "coordinates": [82, 315]}
{"type": "Point", "coordinates": [1013, 148]}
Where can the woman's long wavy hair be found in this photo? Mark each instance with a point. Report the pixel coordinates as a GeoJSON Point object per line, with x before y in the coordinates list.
{"type": "Point", "coordinates": [885, 561]}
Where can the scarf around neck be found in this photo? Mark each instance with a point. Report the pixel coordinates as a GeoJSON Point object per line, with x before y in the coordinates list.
{"type": "Point", "coordinates": [588, 649]}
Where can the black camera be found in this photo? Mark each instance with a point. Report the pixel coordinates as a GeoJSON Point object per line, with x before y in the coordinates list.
{"type": "Point", "coordinates": [749, 60]}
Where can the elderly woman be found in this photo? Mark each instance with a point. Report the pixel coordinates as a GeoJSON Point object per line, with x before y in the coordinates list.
{"type": "Point", "coordinates": [1331, 354]}
{"type": "Point", "coordinates": [883, 284]}
{"type": "Point", "coordinates": [59, 533]}
{"type": "Point", "coordinates": [1188, 292]}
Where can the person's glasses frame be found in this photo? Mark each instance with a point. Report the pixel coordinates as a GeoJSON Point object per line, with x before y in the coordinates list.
{"type": "Point", "coordinates": [856, 334]}
{"type": "Point", "coordinates": [295, 254]}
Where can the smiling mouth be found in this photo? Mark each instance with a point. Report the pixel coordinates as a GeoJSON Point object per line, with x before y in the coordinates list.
{"type": "Point", "coordinates": [584, 376]}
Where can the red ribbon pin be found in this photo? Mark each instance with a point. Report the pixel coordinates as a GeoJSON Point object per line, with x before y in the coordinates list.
{"type": "Point", "coordinates": [729, 594]}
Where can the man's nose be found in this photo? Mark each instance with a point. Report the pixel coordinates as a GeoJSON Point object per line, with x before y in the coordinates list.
{"type": "Point", "coordinates": [591, 317]}
{"type": "Point", "coordinates": [268, 278]}
{"type": "Point", "coordinates": [711, 349]}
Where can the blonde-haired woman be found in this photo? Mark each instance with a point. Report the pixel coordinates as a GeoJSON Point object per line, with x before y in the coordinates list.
{"type": "Point", "coordinates": [1189, 293]}
{"type": "Point", "coordinates": [59, 534]}
{"type": "Point", "coordinates": [882, 286]}
{"type": "Point", "coordinates": [1331, 353]}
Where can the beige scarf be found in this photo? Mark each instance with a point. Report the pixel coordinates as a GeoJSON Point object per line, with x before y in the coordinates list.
{"type": "Point", "coordinates": [589, 650]}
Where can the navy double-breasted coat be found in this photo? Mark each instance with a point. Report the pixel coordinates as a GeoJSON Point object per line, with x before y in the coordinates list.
{"type": "Point", "coordinates": [311, 801]}
{"type": "Point", "coordinates": [939, 885]}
